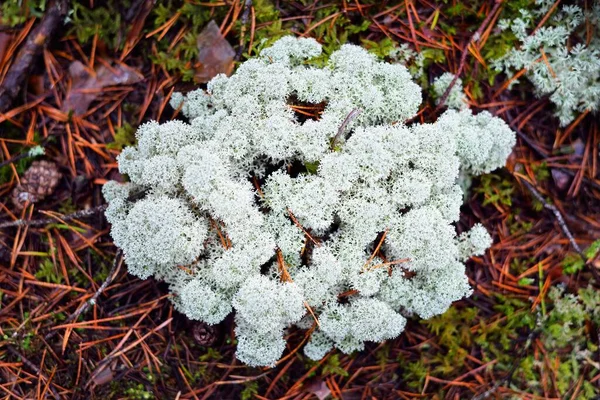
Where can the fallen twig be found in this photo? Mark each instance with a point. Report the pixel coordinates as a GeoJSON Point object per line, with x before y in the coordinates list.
{"type": "Point", "coordinates": [541, 152]}
{"type": "Point", "coordinates": [33, 152]}
{"type": "Point", "coordinates": [25, 58]}
{"type": "Point", "coordinates": [563, 226]}
{"type": "Point", "coordinates": [33, 367]}
{"type": "Point", "coordinates": [84, 307]}
{"type": "Point", "coordinates": [557, 214]}
{"type": "Point", "coordinates": [245, 15]}
{"type": "Point", "coordinates": [103, 364]}
{"type": "Point", "coordinates": [349, 118]}
{"type": "Point", "coordinates": [474, 39]}
{"type": "Point", "coordinates": [41, 222]}
{"type": "Point", "coordinates": [242, 379]}
{"type": "Point", "coordinates": [530, 337]}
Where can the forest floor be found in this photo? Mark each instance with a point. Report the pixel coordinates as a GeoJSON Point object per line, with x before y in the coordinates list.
{"type": "Point", "coordinates": [77, 78]}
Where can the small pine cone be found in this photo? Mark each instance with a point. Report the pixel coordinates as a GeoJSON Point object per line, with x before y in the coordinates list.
{"type": "Point", "coordinates": [39, 181]}
{"type": "Point", "coordinates": [204, 334]}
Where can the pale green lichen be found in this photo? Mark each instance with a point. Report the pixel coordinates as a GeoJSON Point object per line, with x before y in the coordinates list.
{"type": "Point", "coordinates": [204, 228]}
{"type": "Point", "coordinates": [562, 58]}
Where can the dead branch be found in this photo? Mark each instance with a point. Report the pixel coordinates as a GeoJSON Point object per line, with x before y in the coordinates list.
{"type": "Point", "coordinates": [533, 334]}
{"type": "Point", "coordinates": [474, 39]}
{"type": "Point", "coordinates": [349, 118]}
{"type": "Point", "coordinates": [563, 227]}
{"type": "Point", "coordinates": [26, 57]}
{"type": "Point", "coordinates": [557, 215]}
{"type": "Point", "coordinates": [41, 222]}
{"type": "Point", "coordinates": [84, 307]}
{"type": "Point", "coordinates": [33, 367]}
{"type": "Point", "coordinates": [245, 15]}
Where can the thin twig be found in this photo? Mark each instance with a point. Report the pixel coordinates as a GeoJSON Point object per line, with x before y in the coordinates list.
{"type": "Point", "coordinates": [25, 154]}
{"type": "Point", "coordinates": [41, 222]}
{"type": "Point", "coordinates": [14, 159]}
{"type": "Point", "coordinates": [243, 379]}
{"type": "Point", "coordinates": [84, 307]}
{"type": "Point", "coordinates": [563, 227]}
{"type": "Point", "coordinates": [541, 152]}
{"type": "Point", "coordinates": [286, 277]}
{"type": "Point", "coordinates": [474, 39]}
{"type": "Point", "coordinates": [26, 57]}
{"type": "Point", "coordinates": [532, 334]}
{"type": "Point", "coordinates": [33, 367]}
{"type": "Point", "coordinates": [297, 223]}
{"type": "Point", "coordinates": [106, 360]}
{"type": "Point", "coordinates": [351, 115]}
{"type": "Point", "coordinates": [365, 267]}
{"type": "Point", "coordinates": [557, 214]}
{"type": "Point", "coordinates": [245, 15]}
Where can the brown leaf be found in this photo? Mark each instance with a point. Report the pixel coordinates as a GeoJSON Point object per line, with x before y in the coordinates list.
{"type": "Point", "coordinates": [319, 388]}
{"type": "Point", "coordinates": [561, 179]}
{"type": "Point", "coordinates": [215, 54]}
{"type": "Point", "coordinates": [87, 87]}
{"type": "Point", "coordinates": [578, 147]}
{"type": "Point", "coordinates": [103, 377]}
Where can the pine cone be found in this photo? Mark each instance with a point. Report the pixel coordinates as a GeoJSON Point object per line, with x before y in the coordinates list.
{"type": "Point", "coordinates": [39, 181]}
{"type": "Point", "coordinates": [204, 334]}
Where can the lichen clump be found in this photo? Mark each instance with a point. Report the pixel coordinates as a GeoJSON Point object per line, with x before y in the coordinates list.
{"type": "Point", "coordinates": [561, 58]}
{"type": "Point", "coordinates": [289, 219]}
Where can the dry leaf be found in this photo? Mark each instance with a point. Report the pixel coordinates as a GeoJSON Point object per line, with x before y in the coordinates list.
{"type": "Point", "coordinates": [318, 388]}
{"type": "Point", "coordinates": [578, 147]}
{"type": "Point", "coordinates": [86, 87]}
{"type": "Point", "coordinates": [215, 54]}
{"type": "Point", "coordinates": [103, 377]}
{"type": "Point", "coordinates": [561, 179]}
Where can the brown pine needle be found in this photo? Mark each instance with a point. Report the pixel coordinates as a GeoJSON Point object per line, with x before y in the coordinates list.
{"type": "Point", "coordinates": [295, 221]}
{"type": "Point", "coordinates": [364, 267]}
{"type": "Point", "coordinates": [285, 276]}
{"type": "Point", "coordinates": [387, 264]}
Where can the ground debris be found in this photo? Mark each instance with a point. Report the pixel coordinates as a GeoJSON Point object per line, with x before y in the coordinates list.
{"type": "Point", "coordinates": [215, 54]}
{"type": "Point", "coordinates": [86, 86]}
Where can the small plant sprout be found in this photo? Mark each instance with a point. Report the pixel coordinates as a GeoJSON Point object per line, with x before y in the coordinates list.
{"type": "Point", "coordinates": [341, 222]}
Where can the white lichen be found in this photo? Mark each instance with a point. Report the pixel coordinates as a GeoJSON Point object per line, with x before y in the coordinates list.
{"type": "Point", "coordinates": [250, 208]}
{"type": "Point", "coordinates": [456, 97]}
{"type": "Point", "coordinates": [562, 58]}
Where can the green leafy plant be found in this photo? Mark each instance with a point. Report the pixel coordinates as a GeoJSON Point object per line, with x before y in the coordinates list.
{"type": "Point", "coordinates": [48, 273]}
{"type": "Point", "coordinates": [573, 262]}
{"type": "Point", "coordinates": [496, 190]}
{"type": "Point", "coordinates": [103, 20]}
{"type": "Point", "coordinates": [332, 367]}
{"type": "Point", "coordinates": [124, 136]}
{"type": "Point", "coordinates": [250, 389]}
{"type": "Point", "coordinates": [16, 12]}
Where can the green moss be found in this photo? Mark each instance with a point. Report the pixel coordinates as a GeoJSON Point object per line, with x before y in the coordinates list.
{"type": "Point", "coordinates": [104, 20]}
{"type": "Point", "coordinates": [180, 58]}
{"type": "Point", "coordinates": [573, 262]}
{"type": "Point", "coordinates": [48, 273]}
{"type": "Point", "coordinates": [124, 136]}
{"type": "Point", "coordinates": [332, 367]}
{"type": "Point", "coordinates": [16, 12]}
{"type": "Point", "coordinates": [250, 389]}
{"type": "Point", "coordinates": [138, 392]}
{"type": "Point", "coordinates": [506, 340]}
{"type": "Point", "coordinates": [496, 190]}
